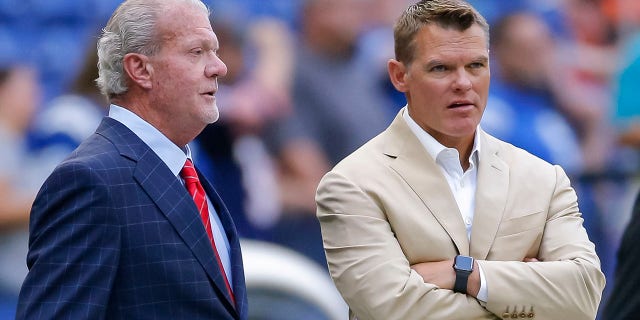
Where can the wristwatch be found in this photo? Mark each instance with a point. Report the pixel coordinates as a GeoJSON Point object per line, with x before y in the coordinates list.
{"type": "Point", "coordinates": [463, 266]}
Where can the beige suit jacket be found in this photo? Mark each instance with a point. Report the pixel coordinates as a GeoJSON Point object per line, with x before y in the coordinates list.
{"type": "Point", "coordinates": [388, 206]}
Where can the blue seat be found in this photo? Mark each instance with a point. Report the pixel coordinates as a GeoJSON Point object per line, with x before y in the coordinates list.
{"type": "Point", "coordinates": [59, 54]}
{"type": "Point", "coordinates": [59, 11]}
{"type": "Point", "coordinates": [9, 49]}
{"type": "Point", "coordinates": [13, 9]}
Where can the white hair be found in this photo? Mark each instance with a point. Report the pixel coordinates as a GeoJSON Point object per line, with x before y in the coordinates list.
{"type": "Point", "coordinates": [131, 29]}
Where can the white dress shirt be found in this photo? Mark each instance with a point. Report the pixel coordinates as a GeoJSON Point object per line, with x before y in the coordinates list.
{"type": "Point", "coordinates": [462, 183]}
{"type": "Point", "coordinates": [174, 157]}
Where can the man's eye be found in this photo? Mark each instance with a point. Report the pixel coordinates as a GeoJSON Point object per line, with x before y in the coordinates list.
{"type": "Point", "coordinates": [477, 65]}
{"type": "Point", "coordinates": [439, 68]}
{"type": "Point", "coordinates": [197, 51]}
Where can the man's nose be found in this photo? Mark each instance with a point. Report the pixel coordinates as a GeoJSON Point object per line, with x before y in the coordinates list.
{"type": "Point", "coordinates": [216, 67]}
{"type": "Point", "coordinates": [462, 81]}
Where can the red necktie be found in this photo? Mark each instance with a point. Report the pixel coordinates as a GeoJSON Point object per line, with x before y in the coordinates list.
{"type": "Point", "coordinates": [191, 181]}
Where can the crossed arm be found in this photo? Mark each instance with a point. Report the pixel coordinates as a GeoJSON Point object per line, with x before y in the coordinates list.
{"type": "Point", "coordinates": [370, 269]}
{"type": "Point", "coordinates": [441, 274]}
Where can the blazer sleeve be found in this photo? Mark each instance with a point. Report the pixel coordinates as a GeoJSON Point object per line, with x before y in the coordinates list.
{"type": "Point", "coordinates": [567, 283]}
{"type": "Point", "coordinates": [73, 248]}
{"type": "Point", "coordinates": [368, 265]}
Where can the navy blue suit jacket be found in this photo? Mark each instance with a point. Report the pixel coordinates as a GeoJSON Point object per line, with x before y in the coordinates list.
{"type": "Point", "coordinates": [115, 235]}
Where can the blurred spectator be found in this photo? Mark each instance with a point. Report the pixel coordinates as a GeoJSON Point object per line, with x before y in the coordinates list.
{"type": "Point", "coordinates": [523, 103]}
{"type": "Point", "coordinates": [254, 93]}
{"type": "Point", "coordinates": [584, 77]}
{"type": "Point", "coordinates": [376, 46]}
{"type": "Point", "coordinates": [627, 114]}
{"type": "Point", "coordinates": [70, 118]}
{"type": "Point", "coordinates": [338, 105]}
{"type": "Point", "coordinates": [624, 302]}
{"type": "Point", "coordinates": [626, 14]}
{"type": "Point", "coordinates": [19, 179]}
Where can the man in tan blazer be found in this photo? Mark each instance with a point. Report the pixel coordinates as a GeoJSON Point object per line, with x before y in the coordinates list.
{"type": "Point", "coordinates": [436, 219]}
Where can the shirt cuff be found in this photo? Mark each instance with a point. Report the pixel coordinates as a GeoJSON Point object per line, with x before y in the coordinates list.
{"type": "Point", "coordinates": [483, 293]}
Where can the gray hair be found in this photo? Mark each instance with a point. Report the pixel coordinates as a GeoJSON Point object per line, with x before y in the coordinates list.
{"type": "Point", "coordinates": [131, 29]}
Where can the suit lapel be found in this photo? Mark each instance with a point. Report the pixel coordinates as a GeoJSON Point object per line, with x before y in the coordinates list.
{"type": "Point", "coordinates": [420, 171]}
{"type": "Point", "coordinates": [170, 196]}
{"type": "Point", "coordinates": [491, 197]}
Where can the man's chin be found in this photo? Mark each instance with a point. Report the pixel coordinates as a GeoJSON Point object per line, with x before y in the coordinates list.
{"type": "Point", "coordinates": [212, 114]}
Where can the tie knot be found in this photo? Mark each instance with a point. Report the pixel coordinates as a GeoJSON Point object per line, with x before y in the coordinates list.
{"type": "Point", "coordinates": [188, 172]}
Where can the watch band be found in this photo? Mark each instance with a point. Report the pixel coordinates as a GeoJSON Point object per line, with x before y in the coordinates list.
{"type": "Point", "coordinates": [462, 278]}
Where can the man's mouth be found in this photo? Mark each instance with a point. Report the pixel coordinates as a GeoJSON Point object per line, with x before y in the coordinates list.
{"type": "Point", "coordinates": [460, 104]}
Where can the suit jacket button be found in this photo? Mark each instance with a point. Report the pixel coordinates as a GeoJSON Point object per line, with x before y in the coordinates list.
{"type": "Point", "coordinates": [506, 315]}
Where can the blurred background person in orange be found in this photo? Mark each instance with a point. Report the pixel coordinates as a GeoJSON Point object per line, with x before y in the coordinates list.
{"type": "Point", "coordinates": [625, 14]}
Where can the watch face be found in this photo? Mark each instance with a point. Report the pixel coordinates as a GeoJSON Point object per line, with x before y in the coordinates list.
{"type": "Point", "coordinates": [463, 263]}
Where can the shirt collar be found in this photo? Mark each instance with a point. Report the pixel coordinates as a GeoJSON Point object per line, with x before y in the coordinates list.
{"type": "Point", "coordinates": [435, 148]}
{"type": "Point", "coordinates": [172, 155]}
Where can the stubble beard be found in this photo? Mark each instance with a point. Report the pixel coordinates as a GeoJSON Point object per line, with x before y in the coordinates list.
{"type": "Point", "coordinates": [212, 113]}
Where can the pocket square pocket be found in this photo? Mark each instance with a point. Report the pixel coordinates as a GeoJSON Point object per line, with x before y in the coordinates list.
{"type": "Point", "coordinates": [521, 223]}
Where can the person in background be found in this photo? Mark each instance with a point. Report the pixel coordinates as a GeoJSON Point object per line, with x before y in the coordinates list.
{"type": "Point", "coordinates": [523, 105]}
{"type": "Point", "coordinates": [253, 94]}
{"type": "Point", "coordinates": [624, 301]}
{"type": "Point", "coordinates": [126, 227]}
{"type": "Point", "coordinates": [434, 218]}
{"type": "Point", "coordinates": [337, 106]}
{"type": "Point", "coordinates": [581, 81]}
{"type": "Point", "coordinates": [626, 114]}
{"type": "Point", "coordinates": [19, 177]}
{"type": "Point", "coordinates": [70, 118]}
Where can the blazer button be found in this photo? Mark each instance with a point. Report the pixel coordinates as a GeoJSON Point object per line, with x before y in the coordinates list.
{"type": "Point", "coordinates": [506, 314]}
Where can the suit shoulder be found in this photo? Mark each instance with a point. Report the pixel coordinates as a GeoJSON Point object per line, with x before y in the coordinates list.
{"type": "Point", "coordinates": [94, 155]}
{"type": "Point", "coordinates": [366, 158]}
{"type": "Point", "coordinates": [94, 150]}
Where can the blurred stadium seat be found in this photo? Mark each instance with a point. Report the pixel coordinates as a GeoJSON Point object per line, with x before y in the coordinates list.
{"type": "Point", "coordinates": [285, 285]}
{"type": "Point", "coordinates": [52, 35]}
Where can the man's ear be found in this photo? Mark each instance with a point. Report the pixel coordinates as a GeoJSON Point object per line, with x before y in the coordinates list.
{"type": "Point", "coordinates": [397, 73]}
{"type": "Point", "coordinates": [138, 69]}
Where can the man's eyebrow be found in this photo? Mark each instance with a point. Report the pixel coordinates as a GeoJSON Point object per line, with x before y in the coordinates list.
{"type": "Point", "coordinates": [482, 58]}
{"type": "Point", "coordinates": [432, 63]}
